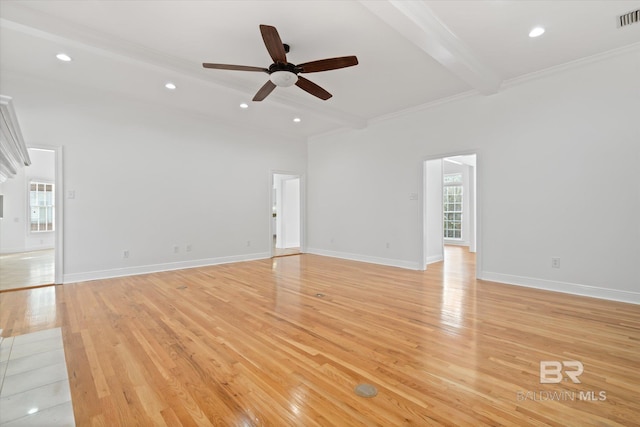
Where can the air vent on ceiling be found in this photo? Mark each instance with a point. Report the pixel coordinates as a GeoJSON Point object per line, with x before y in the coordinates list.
{"type": "Point", "coordinates": [629, 18]}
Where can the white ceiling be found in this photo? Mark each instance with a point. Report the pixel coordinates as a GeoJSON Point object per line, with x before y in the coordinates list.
{"type": "Point", "coordinates": [411, 53]}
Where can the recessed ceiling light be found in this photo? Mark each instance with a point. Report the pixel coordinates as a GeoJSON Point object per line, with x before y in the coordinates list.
{"type": "Point", "coordinates": [537, 31]}
{"type": "Point", "coordinates": [244, 105]}
{"type": "Point", "coordinates": [63, 57]}
{"type": "Point", "coordinates": [297, 120]}
{"type": "Point", "coordinates": [170, 86]}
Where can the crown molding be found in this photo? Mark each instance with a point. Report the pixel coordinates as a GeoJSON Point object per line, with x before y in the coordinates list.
{"type": "Point", "coordinates": [572, 65]}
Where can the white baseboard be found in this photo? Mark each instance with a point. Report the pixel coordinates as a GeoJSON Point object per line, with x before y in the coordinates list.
{"type": "Point", "coordinates": [456, 242]}
{"type": "Point", "coordinates": [435, 258]}
{"type": "Point", "coordinates": [564, 287]}
{"type": "Point", "coordinates": [530, 282]}
{"type": "Point", "coordinates": [156, 268]}
{"type": "Point", "coordinates": [7, 251]}
{"type": "Point", "coordinates": [365, 258]}
{"type": "Point", "coordinates": [39, 248]}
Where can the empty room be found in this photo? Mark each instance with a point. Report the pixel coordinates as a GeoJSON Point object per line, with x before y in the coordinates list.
{"type": "Point", "coordinates": [319, 213]}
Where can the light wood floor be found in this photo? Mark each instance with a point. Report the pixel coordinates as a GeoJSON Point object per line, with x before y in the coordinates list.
{"type": "Point", "coordinates": [283, 342]}
{"type": "Point", "coordinates": [286, 251]}
{"type": "Point", "coordinates": [26, 269]}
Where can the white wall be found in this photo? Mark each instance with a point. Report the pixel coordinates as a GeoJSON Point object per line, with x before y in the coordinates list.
{"type": "Point", "coordinates": [291, 212]}
{"type": "Point", "coordinates": [147, 179]}
{"type": "Point", "coordinates": [15, 235]}
{"type": "Point", "coordinates": [558, 176]}
{"type": "Point", "coordinates": [433, 212]}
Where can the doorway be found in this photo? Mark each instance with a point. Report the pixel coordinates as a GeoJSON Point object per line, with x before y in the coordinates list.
{"type": "Point", "coordinates": [286, 213]}
{"type": "Point", "coordinates": [450, 194]}
{"type": "Point", "coordinates": [31, 223]}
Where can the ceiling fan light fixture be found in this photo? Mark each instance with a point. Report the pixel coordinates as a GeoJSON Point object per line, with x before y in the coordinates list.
{"type": "Point", "coordinates": [283, 78]}
{"type": "Point", "coordinates": [536, 32]}
{"type": "Point", "coordinates": [283, 73]}
{"type": "Point", "coordinates": [63, 57]}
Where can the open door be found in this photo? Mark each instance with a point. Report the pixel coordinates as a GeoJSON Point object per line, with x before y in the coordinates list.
{"type": "Point", "coordinates": [286, 214]}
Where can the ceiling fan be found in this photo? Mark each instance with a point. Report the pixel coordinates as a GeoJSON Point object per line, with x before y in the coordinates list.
{"type": "Point", "coordinates": [284, 74]}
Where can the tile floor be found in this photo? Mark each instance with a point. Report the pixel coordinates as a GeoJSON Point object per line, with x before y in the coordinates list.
{"type": "Point", "coordinates": [34, 384]}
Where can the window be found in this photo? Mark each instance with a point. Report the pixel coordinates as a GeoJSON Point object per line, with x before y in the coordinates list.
{"type": "Point", "coordinates": [455, 178]}
{"type": "Point", "coordinates": [41, 206]}
{"type": "Point", "coordinates": [452, 204]}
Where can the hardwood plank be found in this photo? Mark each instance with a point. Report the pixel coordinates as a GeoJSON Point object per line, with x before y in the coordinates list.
{"type": "Point", "coordinates": [255, 344]}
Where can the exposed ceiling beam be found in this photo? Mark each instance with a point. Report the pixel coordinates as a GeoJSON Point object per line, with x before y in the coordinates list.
{"type": "Point", "coordinates": [417, 22]}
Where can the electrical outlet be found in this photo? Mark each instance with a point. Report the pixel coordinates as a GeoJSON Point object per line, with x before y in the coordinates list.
{"type": "Point", "coordinates": [176, 249]}
{"type": "Point", "coordinates": [388, 245]}
{"type": "Point", "coordinates": [555, 262]}
{"type": "Point", "coordinates": [125, 254]}
{"type": "Point", "coordinates": [248, 243]}
{"type": "Point", "coordinates": [189, 248]}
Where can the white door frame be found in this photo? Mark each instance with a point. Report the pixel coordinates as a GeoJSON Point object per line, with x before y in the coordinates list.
{"type": "Point", "coordinates": [478, 202]}
{"type": "Point", "coordinates": [303, 205]}
{"type": "Point", "coordinates": [58, 239]}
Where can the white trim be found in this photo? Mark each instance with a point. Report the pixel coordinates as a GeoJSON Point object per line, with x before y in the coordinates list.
{"type": "Point", "coordinates": [433, 259]}
{"type": "Point", "coordinates": [9, 251]}
{"type": "Point", "coordinates": [456, 242]}
{"type": "Point", "coordinates": [58, 239]}
{"type": "Point", "coordinates": [366, 258]}
{"type": "Point", "coordinates": [39, 247]}
{"type": "Point", "coordinates": [303, 207]}
{"type": "Point", "coordinates": [157, 268]}
{"type": "Point", "coordinates": [422, 107]}
{"type": "Point", "coordinates": [477, 194]}
{"type": "Point", "coordinates": [564, 287]}
{"type": "Point", "coordinates": [15, 154]}
{"type": "Point", "coordinates": [581, 62]}
{"type": "Point", "coordinates": [506, 84]}
{"type": "Point", "coordinates": [420, 25]}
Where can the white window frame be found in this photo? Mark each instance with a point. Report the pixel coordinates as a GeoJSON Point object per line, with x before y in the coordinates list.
{"type": "Point", "coordinates": [48, 206]}
{"type": "Point", "coordinates": [453, 183]}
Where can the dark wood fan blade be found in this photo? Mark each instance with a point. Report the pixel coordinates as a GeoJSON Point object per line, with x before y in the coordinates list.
{"type": "Point", "coordinates": [273, 43]}
{"type": "Point", "coordinates": [264, 91]}
{"type": "Point", "coordinates": [312, 88]}
{"type": "Point", "coordinates": [328, 64]}
{"type": "Point", "coordinates": [234, 67]}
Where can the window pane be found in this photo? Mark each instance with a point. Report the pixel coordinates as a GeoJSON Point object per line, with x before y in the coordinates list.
{"type": "Point", "coordinates": [50, 218]}
{"type": "Point", "coordinates": [452, 178]}
{"type": "Point", "coordinates": [41, 201]}
{"type": "Point", "coordinates": [452, 207]}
